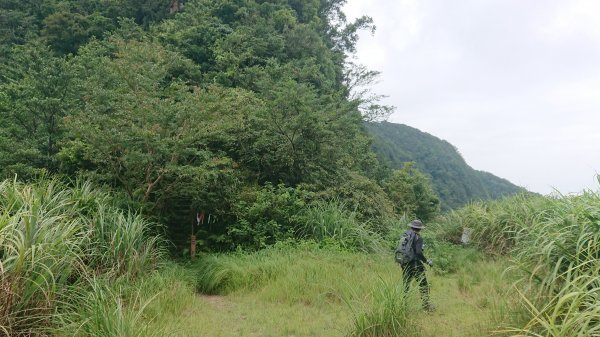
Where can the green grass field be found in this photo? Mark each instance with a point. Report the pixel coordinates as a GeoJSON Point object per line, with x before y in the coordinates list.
{"type": "Point", "coordinates": [322, 293]}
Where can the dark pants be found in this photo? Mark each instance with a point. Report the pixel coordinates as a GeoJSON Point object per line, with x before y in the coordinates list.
{"type": "Point", "coordinates": [416, 271]}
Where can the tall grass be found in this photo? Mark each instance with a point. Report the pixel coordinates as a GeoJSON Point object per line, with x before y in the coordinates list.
{"type": "Point", "coordinates": [229, 272]}
{"type": "Point", "coordinates": [41, 240]}
{"type": "Point", "coordinates": [105, 310]}
{"type": "Point", "coordinates": [561, 255]}
{"type": "Point", "coordinates": [331, 222]}
{"type": "Point", "coordinates": [369, 286]}
{"type": "Point", "coordinates": [293, 272]}
{"type": "Point", "coordinates": [387, 314]}
{"type": "Point", "coordinates": [555, 245]}
{"type": "Point", "coordinates": [494, 224]}
{"type": "Point", "coordinates": [50, 237]}
{"type": "Point", "coordinates": [225, 273]}
{"type": "Point", "coordinates": [122, 242]}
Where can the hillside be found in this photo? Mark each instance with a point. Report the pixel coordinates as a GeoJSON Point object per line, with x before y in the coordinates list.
{"type": "Point", "coordinates": [453, 179]}
{"type": "Point", "coordinates": [225, 120]}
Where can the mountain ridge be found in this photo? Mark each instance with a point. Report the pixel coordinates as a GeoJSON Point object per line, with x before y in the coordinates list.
{"type": "Point", "coordinates": [452, 178]}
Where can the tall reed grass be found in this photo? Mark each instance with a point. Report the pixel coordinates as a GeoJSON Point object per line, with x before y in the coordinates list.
{"type": "Point", "coordinates": [387, 314]}
{"type": "Point", "coordinates": [494, 223]}
{"type": "Point", "coordinates": [51, 236]}
{"type": "Point", "coordinates": [332, 222]}
{"type": "Point", "coordinates": [555, 245]}
{"type": "Point", "coordinates": [106, 310]}
{"type": "Point", "coordinates": [561, 255]}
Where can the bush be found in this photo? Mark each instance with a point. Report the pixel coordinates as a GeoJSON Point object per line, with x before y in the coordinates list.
{"type": "Point", "coordinates": [362, 195]}
{"type": "Point", "coordinates": [267, 215]}
{"type": "Point", "coordinates": [412, 193]}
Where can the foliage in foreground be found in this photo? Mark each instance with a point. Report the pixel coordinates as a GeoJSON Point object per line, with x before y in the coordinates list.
{"type": "Point", "coordinates": [53, 236]}
{"type": "Point", "coordinates": [101, 309]}
{"type": "Point", "coordinates": [555, 242]}
{"type": "Point", "coordinates": [390, 313]}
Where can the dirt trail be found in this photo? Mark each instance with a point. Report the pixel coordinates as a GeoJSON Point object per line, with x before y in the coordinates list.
{"type": "Point", "coordinates": [218, 301]}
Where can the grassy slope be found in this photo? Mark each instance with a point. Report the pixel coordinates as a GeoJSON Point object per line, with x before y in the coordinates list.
{"type": "Point", "coordinates": [317, 297]}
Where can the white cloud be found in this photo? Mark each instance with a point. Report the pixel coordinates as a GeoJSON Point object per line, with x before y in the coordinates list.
{"type": "Point", "coordinates": [513, 84]}
{"type": "Point", "coordinates": [572, 18]}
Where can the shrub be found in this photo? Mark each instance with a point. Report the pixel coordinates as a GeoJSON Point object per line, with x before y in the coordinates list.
{"type": "Point", "coordinates": [267, 215]}
{"type": "Point", "coordinates": [362, 195]}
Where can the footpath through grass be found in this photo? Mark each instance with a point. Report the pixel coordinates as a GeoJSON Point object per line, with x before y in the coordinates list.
{"type": "Point", "coordinates": [324, 293]}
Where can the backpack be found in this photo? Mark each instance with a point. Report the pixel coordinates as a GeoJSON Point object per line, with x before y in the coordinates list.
{"type": "Point", "coordinates": [404, 252]}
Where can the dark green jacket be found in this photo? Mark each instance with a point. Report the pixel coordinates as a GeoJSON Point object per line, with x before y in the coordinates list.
{"type": "Point", "coordinates": [418, 249]}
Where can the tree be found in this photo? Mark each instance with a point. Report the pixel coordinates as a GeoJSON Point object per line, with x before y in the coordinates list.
{"type": "Point", "coordinates": [142, 125]}
{"type": "Point", "coordinates": [295, 138]}
{"type": "Point", "coordinates": [66, 29]}
{"type": "Point", "coordinates": [411, 193]}
{"type": "Point", "coordinates": [191, 112]}
{"type": "Point", "coordinates": [38, 90]}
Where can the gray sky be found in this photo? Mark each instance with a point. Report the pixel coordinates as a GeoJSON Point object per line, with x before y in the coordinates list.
{"type": "Point", "coordinates": [513, 84]}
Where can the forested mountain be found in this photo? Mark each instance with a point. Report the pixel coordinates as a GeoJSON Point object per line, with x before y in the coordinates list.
{"type": "Point", "coordinates": [453, 179]}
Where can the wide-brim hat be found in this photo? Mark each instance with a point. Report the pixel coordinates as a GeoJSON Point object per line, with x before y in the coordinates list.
{"type": "Point", "coordinates": [416, 224]}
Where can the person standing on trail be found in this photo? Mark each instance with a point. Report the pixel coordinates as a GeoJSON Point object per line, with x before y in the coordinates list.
{"type": "Point", "coordinates": [412, 260]}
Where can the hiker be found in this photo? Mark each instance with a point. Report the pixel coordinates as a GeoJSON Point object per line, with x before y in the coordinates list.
{"type": "Point", "coordinates": [410, 256]}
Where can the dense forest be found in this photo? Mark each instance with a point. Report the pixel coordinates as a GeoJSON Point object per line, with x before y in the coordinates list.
{"type": "Point", "coordinates": [227, 118]}
{"type": "Point", "coordinates": [452, 178]}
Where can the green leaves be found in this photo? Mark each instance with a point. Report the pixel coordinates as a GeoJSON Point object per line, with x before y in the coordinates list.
{"type": "Point", "coordinates": [146, 128]}
{"type": "Point", "coordinates": [37, 91]}
{"type": "Point", "coordinates": [411, 193]}
{"type": "Point", "coordinates": [191, 113]}
{"type": "Point", "coordinates": [267, 215]}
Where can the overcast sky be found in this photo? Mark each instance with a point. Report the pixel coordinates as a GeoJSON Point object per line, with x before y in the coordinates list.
{"type": "Point", "coordinates": [513, 84]}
